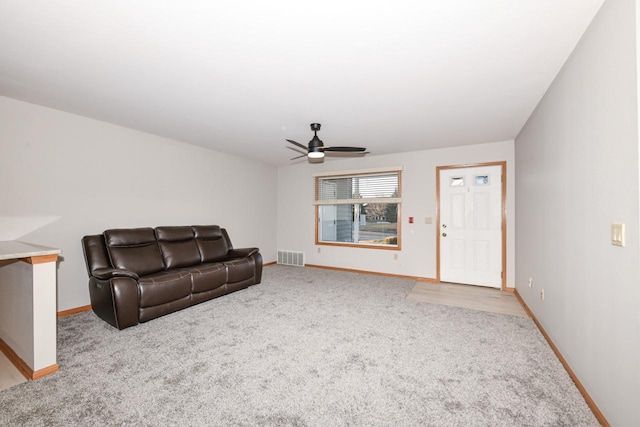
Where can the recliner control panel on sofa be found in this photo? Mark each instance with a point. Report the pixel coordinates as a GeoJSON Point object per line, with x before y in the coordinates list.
{"type": "Point", "coordinates": [138, 274]}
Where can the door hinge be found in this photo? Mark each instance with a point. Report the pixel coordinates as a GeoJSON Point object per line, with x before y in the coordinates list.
{"type": "Point", "coordinates": [502, 275]}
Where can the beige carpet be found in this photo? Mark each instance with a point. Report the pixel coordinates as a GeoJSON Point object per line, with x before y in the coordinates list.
{"type": "Point", "coordinates": [467, 296]}
{"type": "Point", "coordinates": [306, 347]}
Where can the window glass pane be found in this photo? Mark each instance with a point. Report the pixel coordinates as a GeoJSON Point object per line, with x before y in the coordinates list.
{"type": "Point", "coordinates": [335, 188]}
{"type": "Point", "coordinates": [376, 186]}
{"type": "Point", "coordinates": [344, 223]}
{"type": "Point", "coordinates": [367, 223]}
{"type": "Point", "coordinates": [379, 224]}
{"type": "Point", "coordinates": [336, 223]}
{"type": "Point", "coordinates": [356, 187]}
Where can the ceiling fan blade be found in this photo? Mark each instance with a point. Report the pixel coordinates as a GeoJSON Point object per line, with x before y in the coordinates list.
{"type": "Point", "coordinates": [344, 149]}
{"type": "Point", "coordinates": [298, 144]}
{"type": "Point", "coordinates": [297, 150]}
{"type": "Point", "coordinates": [304, 155]}
{"type": "Point", "coordinates": [346, 154]}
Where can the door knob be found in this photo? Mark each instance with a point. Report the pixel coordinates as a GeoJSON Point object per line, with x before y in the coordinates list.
{"type": "Point", "coordinates": [444, 225]}
{"type": "Point", "coordinates": [444, 234]}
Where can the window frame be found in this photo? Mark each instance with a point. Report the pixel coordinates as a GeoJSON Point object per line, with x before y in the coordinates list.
{"type": "Point", "coordinates": [358, 201]}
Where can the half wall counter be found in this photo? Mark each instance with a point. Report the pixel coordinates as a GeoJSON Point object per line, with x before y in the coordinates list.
{"type": "Point", "coordinates": [28, 307]}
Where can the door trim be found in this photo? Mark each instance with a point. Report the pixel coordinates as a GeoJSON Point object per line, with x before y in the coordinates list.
{"type": "Point", "coordinates": [503, 165]}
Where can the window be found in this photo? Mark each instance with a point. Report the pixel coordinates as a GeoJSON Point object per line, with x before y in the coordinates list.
{"type": "Point", "coordinates": [359, 209]}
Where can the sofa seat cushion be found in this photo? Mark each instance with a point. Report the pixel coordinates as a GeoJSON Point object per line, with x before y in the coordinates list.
{"type": "Point", "coordinates": [206, 277]}
{"type": "Point", "coordinates": [164, 287]}
{"type": "Point", "coordinates": [239, 269]}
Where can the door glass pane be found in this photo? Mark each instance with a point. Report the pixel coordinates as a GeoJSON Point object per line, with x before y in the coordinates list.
{"type": "Point", "coordinates": [481, 180]}
{"type": "Point", "coordinates": [456, 181]}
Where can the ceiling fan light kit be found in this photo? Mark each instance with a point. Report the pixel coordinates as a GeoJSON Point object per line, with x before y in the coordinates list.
{"type": "Point", "coordinates": [316, 149]}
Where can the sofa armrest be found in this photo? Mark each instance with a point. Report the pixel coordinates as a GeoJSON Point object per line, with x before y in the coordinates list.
{"type": "Point", "coordinates": [115, 300]}
{"type": "Point", "coordinates": [109, 273]}
{"type": "Point", "coordinates": [254, 255]}
{"type": "Point", "coordinates": [241, 253]}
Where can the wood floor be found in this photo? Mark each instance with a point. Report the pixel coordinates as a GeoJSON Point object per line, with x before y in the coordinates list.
{"type": "Point", "coordinates": [467, 296]}
{"type": "Point", "coordinates": [9, 374]}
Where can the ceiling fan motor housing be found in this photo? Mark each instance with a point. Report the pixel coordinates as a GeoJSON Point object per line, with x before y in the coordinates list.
{"type": "Point", "coordinates": [316, 147]}
{"type": "Point", "coordinates": [315, 143]}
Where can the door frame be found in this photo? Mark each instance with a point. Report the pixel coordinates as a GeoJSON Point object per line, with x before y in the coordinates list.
{"type": "Point", "coordinates": [503, 165]}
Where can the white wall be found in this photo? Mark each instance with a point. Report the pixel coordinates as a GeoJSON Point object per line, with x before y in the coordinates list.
{"type": "Point", "coordinates": [72, 176]}
{"type": "Point", "coordinates": [576, 173]}
{"type": "Point", "coordinates": [296, 214]}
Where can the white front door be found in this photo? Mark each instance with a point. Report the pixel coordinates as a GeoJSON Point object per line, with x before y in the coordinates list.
{"type": "Point", "coordinates": [471, 225]}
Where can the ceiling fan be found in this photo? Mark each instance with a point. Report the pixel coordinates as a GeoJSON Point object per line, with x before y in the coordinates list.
{"type": "Point", "coordinates": [316, 149]}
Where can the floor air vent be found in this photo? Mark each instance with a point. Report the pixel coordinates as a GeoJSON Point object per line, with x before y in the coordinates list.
{"type": "Point", "coordinates": [291, 258]}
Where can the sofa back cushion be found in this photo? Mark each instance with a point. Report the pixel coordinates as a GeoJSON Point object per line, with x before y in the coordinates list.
{"type": "Point", "coordinates": [95, 253]}
{"type": "Point", "coordinates": [134, 249]}
{"type": "Point", "coordinates": [178, 246]}
{"type": "Point", "coordinates": [211, 243]}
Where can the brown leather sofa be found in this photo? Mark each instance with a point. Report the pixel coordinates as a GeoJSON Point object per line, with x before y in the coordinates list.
{"type": "Point", "coordinates": [138, 274]}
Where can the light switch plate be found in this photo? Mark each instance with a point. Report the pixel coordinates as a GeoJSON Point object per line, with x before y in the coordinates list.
{"type": "Point", "coordinates": [617, 234]}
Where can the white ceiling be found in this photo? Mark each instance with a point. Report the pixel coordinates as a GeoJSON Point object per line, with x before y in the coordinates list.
{"type": "Point", "coordinates": [241, 76]}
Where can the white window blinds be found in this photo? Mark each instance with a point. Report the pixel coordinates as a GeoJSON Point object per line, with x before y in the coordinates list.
{"type": "Point", "coordinates": [378, 187]}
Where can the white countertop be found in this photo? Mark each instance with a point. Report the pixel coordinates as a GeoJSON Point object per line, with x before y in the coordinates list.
{"type": "Point", "coordinates": [14, 249]}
